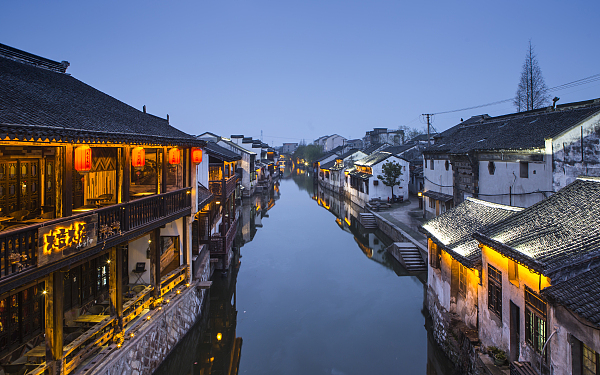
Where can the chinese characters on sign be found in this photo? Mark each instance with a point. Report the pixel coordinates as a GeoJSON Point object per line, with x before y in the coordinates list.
{"type": "Point", "coordinates": [66, 238]}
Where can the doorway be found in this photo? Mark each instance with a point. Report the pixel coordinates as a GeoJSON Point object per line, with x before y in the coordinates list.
{"type": "Point", "coordinates": [515, 332]}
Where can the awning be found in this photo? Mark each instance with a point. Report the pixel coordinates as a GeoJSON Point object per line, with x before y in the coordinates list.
{"type": "Point", "coordinates": [438, 196]}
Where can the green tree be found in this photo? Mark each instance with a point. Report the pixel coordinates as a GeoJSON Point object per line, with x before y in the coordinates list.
{"type": "Point", "coordinates": [308, 153]}
{"type": "Point", "coordinates": [392, 170]}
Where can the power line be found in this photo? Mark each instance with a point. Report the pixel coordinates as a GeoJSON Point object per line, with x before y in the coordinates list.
{"type": "Point", "coordinates": [564, 86]}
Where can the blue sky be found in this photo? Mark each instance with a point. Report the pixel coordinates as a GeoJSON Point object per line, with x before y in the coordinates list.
{"type": "Point", "coordinates": [301, 69]}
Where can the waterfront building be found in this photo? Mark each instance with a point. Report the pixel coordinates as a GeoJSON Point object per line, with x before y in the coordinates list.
{"type": "Point", "coordinates": [247, 163]}
{"type": "Point", "coordinates": [553, 243]}
{"type": "Point", "coordinates": [330, 142]}
{"type": "Point", "coordinates": [530, 279]}
{"type": "Point", "coordinates": [363, 183]}
{"type": "Point", "coordinates": [95, 210]}
{"type": "Point", "coordinates": [216, 222]}
{"type": "Point", "coordinates": [289, 148]}
{"type": "Point", "coordinates": [516, 159]}
{"type": "Point", "coordinates": [332, 174]}
{"type": "Point", "coordinates": [383, 135]}
{"type": "Point", "coordinates": [455, 266]}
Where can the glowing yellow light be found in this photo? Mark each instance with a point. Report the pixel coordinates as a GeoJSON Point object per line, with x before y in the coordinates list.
{"type": "Point", "coordinates": [419, 194]}
{"type": "Point", "coordinates": [148, 318]}
{"type": "Point", "coordinates": [132, 334]}
{"type": "Point", "coordinates": [179, 291]}
{"type": "Point", "coordinates": [168, 301]}
{"type": "Point", "coordinates": [219, 336]}
{"type": "Point", "coordinates": [118, 345]}
{"type": "Point", "coordinates": [212, 359]}
{"type": "Point", "coordinates": [108, 261]}
{"type": "Point", "coordinates": [45, 292]}
{"type": "Point", "coordinates": [160, 307]}
{"type": "Point", "coordinates": [188, 284]}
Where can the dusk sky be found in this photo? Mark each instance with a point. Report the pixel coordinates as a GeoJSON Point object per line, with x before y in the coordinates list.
{"type": "Point", "coordinates": [302, 69]}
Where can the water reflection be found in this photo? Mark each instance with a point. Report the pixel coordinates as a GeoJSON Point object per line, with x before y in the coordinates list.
{"type": "Point", "coordinates": [306, 301]}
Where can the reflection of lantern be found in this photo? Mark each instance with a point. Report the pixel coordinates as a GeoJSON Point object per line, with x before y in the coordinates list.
{"type": "Point", "coordinates": [138, 157]}
{"type": "Point", "coordinates": [174, 156]}
{"type": "Point", "coordinates": [196, 155]}
{"type": "Point", "coordinates": [83, 159]}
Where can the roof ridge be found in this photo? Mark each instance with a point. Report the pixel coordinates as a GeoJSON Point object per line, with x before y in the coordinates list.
{"type": "Point", "coordinates": [21, 56]}
{"type": "Point", "coordinates": [496, 205]}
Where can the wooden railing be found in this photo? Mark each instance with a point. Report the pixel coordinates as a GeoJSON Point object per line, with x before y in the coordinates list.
{"type": "Point", "coordinates": [19, 247]}
{"type": "Point", "coordinates": [223, 188]}
{"type": "Point", "coordinates": [219, 245]}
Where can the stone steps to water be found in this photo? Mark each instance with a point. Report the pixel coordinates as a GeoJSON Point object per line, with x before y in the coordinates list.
{"type": "Point", "coordinates": [408, 255]}
{"type": "Point", "coordinates": [368, 220]}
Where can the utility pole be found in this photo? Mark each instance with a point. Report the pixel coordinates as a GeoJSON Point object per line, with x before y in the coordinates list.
{"type": "Point", "coordinates": [429, 116]}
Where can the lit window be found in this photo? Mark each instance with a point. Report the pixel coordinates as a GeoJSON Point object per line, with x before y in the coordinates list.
{"type": "Point", "coordinates": [590, 361]}
{"type": "Point", "coordinates": [435, 255]}
{"type": "Point", "coordinates": [462, 280]}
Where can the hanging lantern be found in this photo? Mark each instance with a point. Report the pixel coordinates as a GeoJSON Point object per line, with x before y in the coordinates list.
{"type": "Point", "coordinates": [174, 156]}
{"type": "Point", "coordinates": [197, 155]}
{"type": "Point", "coordinates": [83, 159]}
{"type": "Point", "coordinates": [138, 157]}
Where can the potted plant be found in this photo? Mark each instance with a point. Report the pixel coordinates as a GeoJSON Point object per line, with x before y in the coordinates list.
{"type": "Point", "coordinates": [500, 358]}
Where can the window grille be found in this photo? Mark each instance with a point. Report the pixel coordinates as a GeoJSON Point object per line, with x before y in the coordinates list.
{"type": "Point", "coordinates": [495, 290]}
{"type": "Point", "coordinates": [535, 320]}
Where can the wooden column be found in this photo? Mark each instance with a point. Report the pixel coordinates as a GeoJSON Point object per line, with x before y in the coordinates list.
{"type": "Point", "coordinates": [163, 176]}
{"type": "Point", "coordinates": [116, 285]}
{"type": "Point", "coordinates": [124, 173]}
{"type": "Point", "coordinates": [67, 181]}
{"type": "Point", "coordinates": [54, 304]}
{"type": "Point", "coordinates": [187, 228]}
{"type": "Point", "coordinates": [155, 261]}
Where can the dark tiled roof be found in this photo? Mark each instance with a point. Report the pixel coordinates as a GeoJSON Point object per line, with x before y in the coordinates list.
{"type": "Point", "coordinates": [373, 159]}
{"type": "Point", "coordinates": [454, 228]}
{"type": "Point", "coordinates": [524, 130]}
{"type": "Point", "coordinates": [560, 232]}
{"type": "Point", "coordinates": [40, 103]}
{"type": "Point", "coordinates": [358, 174]}
{"type": "Point", "coordinates": [222, 153]}
{"type": "Point", "coordinates": [579, 294]}
{"type": "Point", "coordinates": [326, 155]}
{"type": "Point", "coordinates": [372, 148]}
{"type": "Point", "coordinates": [328, 165]}
{"type": "Point", "coordinates": [437, 196]}
{"type": "Point", "coordinates": [397, 150]}
{"type": "Point", "coordinates": [348, 153]}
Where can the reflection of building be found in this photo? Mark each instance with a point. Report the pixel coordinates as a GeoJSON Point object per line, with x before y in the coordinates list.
{"type": "Point", "coordinates": [95, 197]}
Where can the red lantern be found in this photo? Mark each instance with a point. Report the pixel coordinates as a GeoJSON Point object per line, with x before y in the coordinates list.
{"type": "Point", "coordinates": [197, 155]}
{"type": "Point", "coordinates": [138, 157]}
{"type": "Point", "coordinates": [83, 159]}
{"type": "Point", "coordinates": [174, 156]}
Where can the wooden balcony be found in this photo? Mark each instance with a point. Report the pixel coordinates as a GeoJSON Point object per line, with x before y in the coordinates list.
{"type": "Point", "coordinates": [219, 245]}
{"type": "Point", "coordinates": [21, 248]}
{"type": "Point", "coordinates": [223, 188]}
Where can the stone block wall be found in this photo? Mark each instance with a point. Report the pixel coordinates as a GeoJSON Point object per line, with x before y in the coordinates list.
{"type": "Point", "coordinates": [453, 336]}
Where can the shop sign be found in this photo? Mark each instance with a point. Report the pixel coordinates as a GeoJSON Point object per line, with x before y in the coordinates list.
{"type": "Point", "coordinates": [64, 239]}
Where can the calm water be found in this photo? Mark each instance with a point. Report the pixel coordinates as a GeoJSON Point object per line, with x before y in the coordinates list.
{"type": "Point", "coordinates": [313, 295]}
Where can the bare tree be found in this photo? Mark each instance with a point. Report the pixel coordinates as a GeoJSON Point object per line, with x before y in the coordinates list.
{"type": "Point", "coordinates": [532, 92]}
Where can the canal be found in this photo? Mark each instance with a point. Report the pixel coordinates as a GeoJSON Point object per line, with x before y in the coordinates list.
{"type": "Point", "coordinates": [313, 293]}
